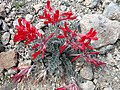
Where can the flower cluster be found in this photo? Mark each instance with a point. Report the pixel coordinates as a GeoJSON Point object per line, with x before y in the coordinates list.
{"type": "Point", "coordinates": [25, 32]}
{"type": "Point", "coordinates": [81, 42]}
{"type": "Point", "coordinates": [54, 16]}
{"type": "Point", "coordinates": [77, 41]}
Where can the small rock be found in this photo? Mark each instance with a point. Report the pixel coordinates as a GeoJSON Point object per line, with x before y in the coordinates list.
{"type": "Point", "coordinates": [41, 31]}
{"type": "Point", "coordinates": [108, 88]}
{"type": "Point", "coordinates": [11, 31]}
{"type": "Point", "coordinates": [24, 64]}
{"type": "Point", "coordinates": [37, 6]}
{"type": "Point", "coordinates": [95, 81]}
{"type": "Point", "coordinates": [94, 4]}
{"type": "Point", "coordinates": [63, 7]}
{"type": "Point", "coordinates": [108, 31]}
{"type": "Point", "coordinates": [11, 42]}
{"type": "Point", "coordinates": [2, 48]}
{"type": "Point", "coordinates": [7, 59]}
{"type": "Point", "coordinates": [7, 19]}
{"type": "Point", "coordinates": [87, 2]}
{"type": "Point", "coordinates": [79, 18]}
{"type": "Point", "coordinates": [40, 25]}
{"type": "Point", "coordinates": [110, 60]}
{"type": "Point", "coordinates": [3, 25]}
{"type": "Point", "coordinates": [86, 72]}
{"type": "Point", "coordinates": [5, 38]}
{"type": "Point", "coordinates": [15, 22]}
{"type": "Point", "coordinates": [11, 71]}
{"type": "Point", "coordinates": [112, 11]}
{"type": "Point", "coordinates": [106, 49]}
{"type": "Point", "coordinates": [2, 10]}
{"type": "Point", "coordinates": [28, 17]}
{"type": "Point", "coordinates": [87, 85]}
{"type": "Point", "coordinates": [80, 1]}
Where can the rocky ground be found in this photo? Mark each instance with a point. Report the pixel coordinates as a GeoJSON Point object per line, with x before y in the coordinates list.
{"type": "Point", "coordinates": [103, 15]}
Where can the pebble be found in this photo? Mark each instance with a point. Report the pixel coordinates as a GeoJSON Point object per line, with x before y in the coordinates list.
{"type": "Point", "coordinates": [29, 17]}
{"type": "Point", "coordinates": [4, 26]}
{"type": "Point", "coordinates": [7, 59]}
{"type": "Point", "coordinates": [88, 85]}
{"type": "Point", "coordinates": [11, 71]}
{"type": "Point", "coordinates": [11, 42]}
{"type": "Point", "coordinates": [86, 72]}
{"type": "Point", "coordinates": [106, 49]}
{"type": "Point", "coordinates": [15, 22]}
{"type": "Point", "coordinates": [63, 7]}
{"type": "Point", "coordinates": [37, 6]}
{"type": "Point", "coordinates": [39, 25]}
{"type": "Point", "coordinates": [108, 88]}
{"type": "Point", "coordinates": [2, 10]}
{"type": "Point", "coordinates": [24, 64]}
{"type": "Point", "coordinates": [112, 11]}
{"type": "Point", "coordinates": [5, 38]}
{"type": "Point", "coordinates": [11, 31]}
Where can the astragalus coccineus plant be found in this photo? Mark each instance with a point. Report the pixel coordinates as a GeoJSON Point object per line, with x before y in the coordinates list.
{"type": "Point", "coordinates": [59, 49]}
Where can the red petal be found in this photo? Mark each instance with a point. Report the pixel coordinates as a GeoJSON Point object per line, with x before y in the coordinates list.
{"type": "Point", "coordinates": [56, 16]}
{"type": "Point", "coordinates": [36, 54]}
{"type": "Point", "coordinates": [66, 13]}
{"type": "Point", "coordinates": [35, 46]}
{"type": "Point", "coordinates": [75, 58]}
{"type": "Point", "coordinates": [60, 36]}
{"type": "Point", "coordinates": [93, 53]}
{"type": "Point", "coordinates": [71, 18]}
{"type": "Point", "coordinates": [66, 27]}
{"type": "Point", "coordinates": [48, 6]}
{"type": "Point", "coordinates": [41, 17]}
{"type": "Point", "coordinates": [91, 30]}
{"type": "Point", "coordinates": [46, 22]}
{"type": "Point", "coordinates": [61, 88]}
{"type": "Point", "coordinates": [19, 21]}
{"type": "Point", "coordinates": [94, 62]}
{"type": "Point", "coordinates": [50, 36]}
{"type": "Point", "coordinates": [90, 47]}
{"type": "Point", "coordinates": [27, 42]}
{"type": "Point", "coordinates": [62, 48]}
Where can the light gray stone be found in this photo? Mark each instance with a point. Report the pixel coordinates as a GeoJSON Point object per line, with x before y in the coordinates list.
{"type": "Point", "coordinates": [63, 7]}
{"type": "Point", "coordinates": [3, 25]}
{"type": "Point", "coordinates": [5, 38]}
{"type": "Point", "coordinates": [86, 72]}
{"type": "Point", "coordinates": [88, 85]}
{"type": "Point", "coordinates": [112, 11]}
{"type": "Point", "coordinates": [108, 88]}
{"type": "Point", "coordinates": [15, 22]}
{"type": "Point", "coordinates": [107, 31]}
{"type": "Point", "coordinates": [2, 10]}
{"type": "Point", "coordinates": [7, 59]}
{"type": "Point", "coordinates": [28, 17]}
{"type": "Point", "coordinates": [37, 6]}
{"type": "Point", "coordinates": [106, 49]}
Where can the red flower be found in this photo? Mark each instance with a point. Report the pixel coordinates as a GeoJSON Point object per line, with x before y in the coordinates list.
{"type": "Point", "coordinates": [42, 46]}
{"type": "Point", "coordinates": [61, 88]}
{"type": "Point", "coordinates": [88, 59]}
{"type": "Point", "coordinates": [26, 32]}
{"type": "Point", "coordinates": [53, 17]}
{"type": "Point", "coordinates": [19, 76]}
{"type": "Point", "coordinates": [86, 39]}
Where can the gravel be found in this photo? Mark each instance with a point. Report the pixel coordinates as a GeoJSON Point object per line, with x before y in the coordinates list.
{"type": "Point", "coordinates": [103, 15]}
